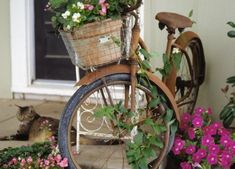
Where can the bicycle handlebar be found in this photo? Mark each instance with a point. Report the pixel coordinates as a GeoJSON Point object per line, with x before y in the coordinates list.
{"type": "Point", "coordinates": [132, 8]}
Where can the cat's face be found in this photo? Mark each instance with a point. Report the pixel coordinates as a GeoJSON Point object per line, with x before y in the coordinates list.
{"type": "Point", "coordinates": [26, 113]}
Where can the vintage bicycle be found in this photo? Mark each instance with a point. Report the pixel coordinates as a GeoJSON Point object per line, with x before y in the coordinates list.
{"type": "Point", "coordinates": [138, 102]}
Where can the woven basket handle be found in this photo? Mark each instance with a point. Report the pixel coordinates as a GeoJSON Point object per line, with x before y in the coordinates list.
{"type": "Point", "coordinates": [134, 7]}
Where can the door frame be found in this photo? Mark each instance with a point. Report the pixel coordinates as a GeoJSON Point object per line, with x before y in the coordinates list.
{"type": "Point", "coordinates": [23, 56]}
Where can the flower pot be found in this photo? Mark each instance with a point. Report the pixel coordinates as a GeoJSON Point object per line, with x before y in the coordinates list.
{"type": "Point", "coordinates": [95, 44]}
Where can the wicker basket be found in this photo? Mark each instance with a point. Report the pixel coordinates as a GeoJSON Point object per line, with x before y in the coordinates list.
{"type": "Point", "coordinates": [95, 44]}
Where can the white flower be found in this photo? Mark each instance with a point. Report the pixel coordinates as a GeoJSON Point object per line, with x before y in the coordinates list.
{"type": "Point", "coordinates": [68, 27]}
{"type": "Point", "coordinates": [176, 50]}
{"type": "Point", "coordinates": [66, 14]}
{"type": "Point", "coordinates": [76, 17]}
{"type": "Point", "coordinates": [80, 5]}
{"type": "Point", "coordinates": [134, 132]}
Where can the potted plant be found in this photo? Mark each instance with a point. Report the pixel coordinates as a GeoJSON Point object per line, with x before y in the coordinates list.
{"type": "Point", "coordinates": [91, 29]}
{"type": "Point", "coordinates": [201, 143]}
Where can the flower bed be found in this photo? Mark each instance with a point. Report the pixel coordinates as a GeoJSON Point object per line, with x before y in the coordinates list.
{"type": "Point", "coordinates": [38, 156]}
{"type": "Point", "coordinates": [201, 143]}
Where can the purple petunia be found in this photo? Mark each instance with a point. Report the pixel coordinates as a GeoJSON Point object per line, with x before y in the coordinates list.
{"type": "Point", "coordinates": [191, 133]}
{"type": "Point", "coordinates": [185, 118]}
{"type": "Point", "coordinates": [185, 165]}
{"type": "Point", "coordinates": [196, 158]}
{"type": "Point", "coordinates": [225, 140]}
{"type": "Point", "coordinates": [212, 159]}
{"type": "Point", "coordinates": [190, 149]}
{"type": "Point", "coordinates": [214, 149]}
{"type": "Point", "coordinates": [197, 122]}
{"type": "Point", "coordinates": [226, 159]}
{"type": "Point", "coordinates": [207, 140]}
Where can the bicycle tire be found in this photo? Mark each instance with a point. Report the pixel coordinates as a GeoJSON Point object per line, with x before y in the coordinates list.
{"type": "Point", "coordinates": [78, 99]}
{"type": "Point", "coordinates": [193, 62]}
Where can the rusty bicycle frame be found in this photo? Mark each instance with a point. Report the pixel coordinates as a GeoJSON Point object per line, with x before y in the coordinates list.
{"type": "Point", "coordinates": [172, 22]}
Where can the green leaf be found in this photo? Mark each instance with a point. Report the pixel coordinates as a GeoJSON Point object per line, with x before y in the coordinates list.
{"type": "Point", "coordinates": [149, 122]}
{"type": "Point", "coordinates": [174, 127]}
{"type": "Point", "coordinates": [146, 54]}
{"type": "Point", "coordinates": [139, 138]}
{"type": "Point", "coordinates": [232, 24]}
{"type": "Point", "coordinates": [106, 111]}
{"type": "Point", "coordinates": [154, 91]}
{"type": "Point", "coordinates": [231, 80]}
{"type": "Point", "coordinates": [169, 115]}
{"type": "Point", "coordinates": [154, 102]}
{"type": "Point", "coordinates": [158, 142]}
{"type": "Point", "coordinates": [146, 64]}
{"type": "Point", "coordinates": [165, 59]}
{"type": "Point", "coordinates": [190, 13]}
{"type": "Point", "coordinates": [177, 60]}
{"type": "Point", "coordinates": [58, 3]}
{"type": "Point", "coordinates": [231, 34]}
{"type": "Point", "coordinates": [149, 152]}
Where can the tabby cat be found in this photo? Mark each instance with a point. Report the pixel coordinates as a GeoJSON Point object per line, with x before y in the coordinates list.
{"type": "Point", "coordinates": [36, 128]}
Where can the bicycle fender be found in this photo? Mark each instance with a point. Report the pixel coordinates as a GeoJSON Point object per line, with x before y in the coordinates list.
{"type": "Point", "coordinates": [118, 69]}
{"type": "Point", "coordinates": [183, 41]}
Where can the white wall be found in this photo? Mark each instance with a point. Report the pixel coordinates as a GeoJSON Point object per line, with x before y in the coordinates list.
{"type": "Point", "coordinates": [5, 58]}
{"type": "Point", "coordinates": [211, 17]}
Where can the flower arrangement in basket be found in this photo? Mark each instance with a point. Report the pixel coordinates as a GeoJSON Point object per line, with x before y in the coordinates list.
{"type": "Point", "coordinates": [203, 144]}
{"type": "Point", "coordinates": [91, 29]}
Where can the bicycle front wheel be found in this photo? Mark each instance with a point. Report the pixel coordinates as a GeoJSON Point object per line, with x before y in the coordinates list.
{"type": "Point", "coordinates": [89, 141]}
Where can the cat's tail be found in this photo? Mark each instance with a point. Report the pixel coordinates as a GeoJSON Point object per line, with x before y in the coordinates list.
{"type": "Point", "coordinates": [18, 137]}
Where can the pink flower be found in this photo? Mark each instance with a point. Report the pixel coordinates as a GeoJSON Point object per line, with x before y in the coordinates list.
{"type": "Point", "coordinates": [89, 7]}
{"type": "Point", "coordinates": [202, 153]}
{"type": "Point", "coordinates": [190, 149]}
{"type": "Point", "coordinates": [101, 1]}
{"type": "Point", "coordinates": [14, 160]}
{"type": "Point", "coordinates": [199, 111]}
{"type": "Point", "coordinates": [29, 160]}
{"type": "Point", "coordinates": [212, 130]}
{"type": "Point", "coordinates": [176, 150]}
{"type": "Point", "coordinates": [23, 162]}
{"type": "Point", "coordinates": [185, 118]}
{"type": "Point", "coordinates": [209, 111]}
{"type": "Point", "coordinates": [217, 125]}
{"type": "Point", "coordinates": [225, 140]}
{"type": "Point", "coordinates": [64, 163]}
{"type": "Point", "coordinates": [46, 162]}
{"type": "Point", "coordinates": [185, 165]}
{"type": "Point", "coordinates": [179, 143]}
{"type": "Point", "coordinates": [58, 158]}
{"type": "Point", "coordinates": [207, 140]}
{"type": "Point", "coordinates": [222, 131]}
{"type": "Point", "coordinates": [212, 159]}
{"type": "Point", "coordinates": [197, 122]}
{"type": "Point", "coordinates": [191, 133]}
{"type": "Point", "coordinates": [214, 149]}
{"type": "Point", "coordinates": [103, 9]}
{"type": "Point", "coordinates": [183, 126]}
{"type": "Point", "coordinates": [232, 147]}
{"type": "Point", "coordinates": [197, 158]}
{"type": "Point", "coordinates": [226, 160]}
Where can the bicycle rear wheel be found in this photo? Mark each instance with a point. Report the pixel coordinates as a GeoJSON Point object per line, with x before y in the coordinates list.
{"type": "Point", "coordinates": [99, 145]}
{"type": "Point", "coordinates": [191, 73]}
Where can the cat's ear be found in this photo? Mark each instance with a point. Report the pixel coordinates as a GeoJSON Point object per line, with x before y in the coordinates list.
{"type": "Point", "coordinates": [22, 108]}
